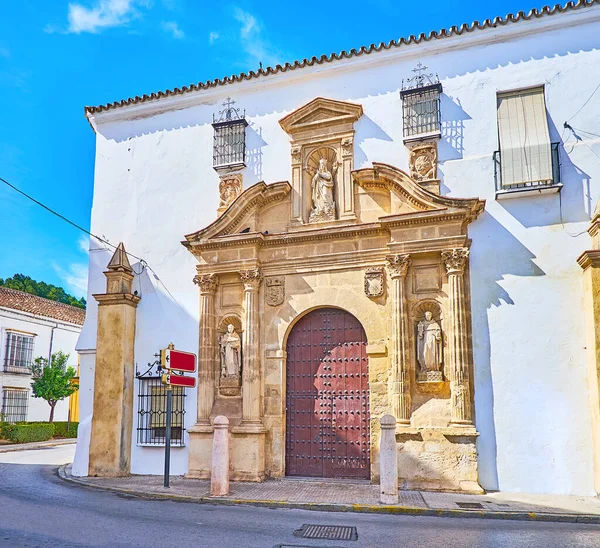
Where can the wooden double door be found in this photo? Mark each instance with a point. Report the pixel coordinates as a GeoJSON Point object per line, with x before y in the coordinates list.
{"type": "Point", "coordinates": [327, 398]}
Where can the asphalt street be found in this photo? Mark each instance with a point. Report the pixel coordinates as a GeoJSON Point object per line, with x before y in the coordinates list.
{"type": "Point", "coordinates": [38, 509]}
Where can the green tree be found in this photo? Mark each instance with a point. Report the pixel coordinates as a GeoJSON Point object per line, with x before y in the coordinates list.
{"type": "Point", "coordinates": [41, 289]}
{"type": "Point", "coordinates": [53, 382]}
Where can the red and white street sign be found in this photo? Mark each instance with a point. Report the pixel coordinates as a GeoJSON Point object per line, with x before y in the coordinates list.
{"type": "Point", "coordinates": [179, 380]}
{"type": "Point", "coordinates": [178, 360]}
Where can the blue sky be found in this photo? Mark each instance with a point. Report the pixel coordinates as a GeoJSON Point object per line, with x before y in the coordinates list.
{"type": "Point", "coordinates": [57, 56]}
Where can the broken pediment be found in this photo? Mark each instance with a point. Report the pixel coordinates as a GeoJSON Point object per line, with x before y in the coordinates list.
{"type": "Point", "coordinates": [321, 113]}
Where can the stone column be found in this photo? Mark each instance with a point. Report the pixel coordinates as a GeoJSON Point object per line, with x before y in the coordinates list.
{"type": "Point", "coordinates": [455, 261]}
{"type": "Point", "coordinates": [112, 420]}
{"type": "Point", "coordinates": [251, 400]}
{"type": "Point", "coordinates": [206, 359]}
{"type": "Point", "coordinates": [388, 459]}
{"type": "Point", "coordinates": [219, 477]}
{"type": "Point", "coordinates": [401, 403]}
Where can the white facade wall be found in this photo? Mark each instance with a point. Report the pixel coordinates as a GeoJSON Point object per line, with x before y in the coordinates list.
{"type": "Point", "coordinates": [46, 331]}
{"type": "Point", "coordinates": [154, 183]}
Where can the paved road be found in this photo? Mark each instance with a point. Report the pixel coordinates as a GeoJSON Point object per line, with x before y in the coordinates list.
{"type": "Point", "coordinates": [37, 509]}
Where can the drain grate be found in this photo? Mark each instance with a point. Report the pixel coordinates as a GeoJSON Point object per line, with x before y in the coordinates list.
{"type": "Point", "coordinates": [328, 532]}
{"type": "Point", "coordinates": [470, 505]}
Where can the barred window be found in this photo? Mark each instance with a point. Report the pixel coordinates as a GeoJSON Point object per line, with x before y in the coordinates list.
{"type": "Point", "coordinates": [152, 413]}
{"type": "Point", "coordinates": [421, 112]}
{"type": "Point", "coordinates": [230, 144]}
{"type": "Point", "coordinates": [14, 405]}
{"type": "Point", "coordinates": [18, 352]}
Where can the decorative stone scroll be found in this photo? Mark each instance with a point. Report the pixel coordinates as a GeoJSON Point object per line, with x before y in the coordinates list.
{"type": "Point", "coordinates": [423, 161]}
{"type": "Point", "coordinates": [275, 290]}
{"type": "Point", "coordinates": [374, 282]}
{"type": "Point", "coordinates": [230, 187]}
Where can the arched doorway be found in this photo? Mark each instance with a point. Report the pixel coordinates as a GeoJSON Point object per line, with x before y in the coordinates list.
{"type": "Point", "coordinates": [327, 397]}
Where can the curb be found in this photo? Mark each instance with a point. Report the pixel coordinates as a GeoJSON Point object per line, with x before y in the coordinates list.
{"type": "Point", "coordinates": [10, 448]}
{"type": "Point", "coordinates": [593, 519]}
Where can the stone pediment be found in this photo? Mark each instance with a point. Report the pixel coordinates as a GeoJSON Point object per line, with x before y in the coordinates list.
{"type": "Point", "coordinates": [321, 112]}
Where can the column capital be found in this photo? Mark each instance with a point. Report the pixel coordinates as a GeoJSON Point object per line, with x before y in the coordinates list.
{"type": "Point", "coordinates": [398, 265]}
{"type": "Point", "coordinates": [455, 260]}
{"type": "Point", "coordinates": [207, 282]}
{"type": "Point", "coordinates": [251, 279]}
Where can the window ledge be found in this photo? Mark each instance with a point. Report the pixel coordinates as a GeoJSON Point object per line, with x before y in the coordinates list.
{"type": "Point", "coordinates": [16, 370]}
{"type": "Point", "coordinates": [159, 445]}
{"type": "Point", "coordinates": [528, 191]}
{"type": "Point", "coordinates": [224, 168]}
{"type": "Point", "coordinates": [423, 137]}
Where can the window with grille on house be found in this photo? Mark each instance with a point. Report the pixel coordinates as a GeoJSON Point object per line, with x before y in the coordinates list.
{"type": "Point", "coordinates": [18, 352]}
{"type": "Point", "coordinates": [14, 405]}
{"type": "Point", "coordinates": [526, 159]}
{"type": "Point", "coordinates": [421, 112]}
{"type": "Point", "coordinates": [152, 413]}
{"type": "Point", "coordinates": [229, 148]}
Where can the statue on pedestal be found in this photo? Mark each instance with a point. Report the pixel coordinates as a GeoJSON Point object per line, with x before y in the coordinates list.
{"type": "Point", "coordinates": [322, 193]}
{"type": "Point", "coordinates": [429, 349]}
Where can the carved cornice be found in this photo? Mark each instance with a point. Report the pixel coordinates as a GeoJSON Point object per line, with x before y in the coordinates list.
{"type": "Point", "coordinates": [398, 265]}
{"type": "Point", "coordinates": [251, 279]}
{"type": "Point", "coordinates": [455, 260]}
{"type": "Point", "coordinates": [589, 258]}
{"type": "Point", "coordinates": [207, 283]}
{"type": "Point", "coordinates": [320, 112]}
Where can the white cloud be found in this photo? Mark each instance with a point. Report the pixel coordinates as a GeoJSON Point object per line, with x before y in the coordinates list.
{"type": "Point", "coordinates": [213, 37]}
{"type": "Point", "coordinates": [253, 41]}
{"type": "Point", "coordinates": [102, 14]}
{"type": "Point", "coordinates": [75, 277]}
{"type": "Point", "coordinates": [84, 244]}
{"type": "Point", "coordinates": [171, 27]}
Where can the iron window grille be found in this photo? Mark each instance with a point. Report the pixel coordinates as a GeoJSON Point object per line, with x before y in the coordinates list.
{"type": "Point", "coordinates": [152, 413]}
{"type": "Point", "coordinates": [531, 184]}
{"type": "Point", "coordinates": [229, 149]}
{"type": "Point", "coordinates": [15, 403]}
{"type": "Point", "coordinates": [421, 112]}
{"type": "Point", "coordinates": [18, 353]}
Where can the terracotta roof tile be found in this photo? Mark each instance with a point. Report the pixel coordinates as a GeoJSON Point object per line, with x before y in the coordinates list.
{"type": "Point", "coordinates": [364, 50]}
{"type": "Point", "coordinates": [20, 300]}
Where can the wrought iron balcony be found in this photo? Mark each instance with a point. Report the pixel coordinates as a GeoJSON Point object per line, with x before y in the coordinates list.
{"type": "Point", "coordinates": [229, 148]}
{"type": "Point", "coordinates": [540, 187]}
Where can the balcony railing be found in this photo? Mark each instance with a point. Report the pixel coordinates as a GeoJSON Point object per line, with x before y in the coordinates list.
{"type": "Point", "coordinates": [553, 185]}
{"type": "Point", "coordinates": [20, 369]}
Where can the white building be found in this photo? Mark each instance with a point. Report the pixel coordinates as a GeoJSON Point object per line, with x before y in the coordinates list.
{"type": "Point", "coordinates": [524, 85]}
{"type": "Point", "coordinates": [33, 327]}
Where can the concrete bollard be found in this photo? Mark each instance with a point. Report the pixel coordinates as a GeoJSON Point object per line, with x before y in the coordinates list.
{"type": "Point", "coordinates": [219, 476]}
{"type": "Point", "coordinates": [388, 461]}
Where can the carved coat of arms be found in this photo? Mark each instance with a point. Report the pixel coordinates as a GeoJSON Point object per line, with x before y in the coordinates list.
{"type": "Point", "coordinates": [275, 290]}
{"type": "Point", "coordinates": [374, 284]}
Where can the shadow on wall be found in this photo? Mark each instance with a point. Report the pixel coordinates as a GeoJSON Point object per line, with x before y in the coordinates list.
{"type": "Point", "coordinates": [367, 129]}
{"type": "Point", "coordinates": [451, 145]}
{"type": "Point", "coordinates": [495, 254]}
{"type": "Point", "coordinates": [254, 155]}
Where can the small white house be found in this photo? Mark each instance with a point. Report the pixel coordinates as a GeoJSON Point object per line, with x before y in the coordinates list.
{"type": "Point", "coordinates": [507, 111]}
{"type": "Point", "coordinates": [32, 327]}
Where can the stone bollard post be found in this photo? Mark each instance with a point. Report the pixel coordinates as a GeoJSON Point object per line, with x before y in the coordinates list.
{"type": "Point", "coordinates": [219, 477]}
{"type": "Point", "coordinates": [388, 459]}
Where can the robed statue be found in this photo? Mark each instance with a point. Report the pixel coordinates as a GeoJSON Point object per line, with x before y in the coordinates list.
{"type": "Point", "coordinates": [230, 346]}
{"type": "Point", "coordinates": [429, 346]}
{"type": "Point", "coordinates": [322, 193]}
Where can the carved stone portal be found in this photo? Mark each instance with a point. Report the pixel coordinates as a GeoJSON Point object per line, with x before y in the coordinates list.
{"type": "Point", "coordinates": [423, 162]}
{"type": "Point", "coordinates": [230, 187]}
{"type": "Point", "coordinates": [275, 292]}
{"type": "Point", "coordinates": [374, 282]}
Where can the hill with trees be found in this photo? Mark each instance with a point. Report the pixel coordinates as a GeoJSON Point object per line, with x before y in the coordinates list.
{"type": "Point", "coordinates": [41, 289]}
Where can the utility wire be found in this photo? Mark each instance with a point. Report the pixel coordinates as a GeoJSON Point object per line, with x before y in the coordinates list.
{"type": "Point", "coordinates": [143, 262]}
{"type": "Point", "coordinates": [588, 100]}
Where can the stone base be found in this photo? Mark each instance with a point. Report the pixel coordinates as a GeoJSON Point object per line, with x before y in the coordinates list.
{"type": "Point", "coordinates": [200, 451]}
{"type": "Point", "coordinates": [438, 459]}
{"type": "Point", "coordinates": [430, 376]}
{"type": "Point", "coordinates": [230, 385]}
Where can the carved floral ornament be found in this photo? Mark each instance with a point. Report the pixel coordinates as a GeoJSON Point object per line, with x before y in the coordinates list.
{"type": "Point", "coordinates": [398, 265]}
{"type": "Point", "coordinates": [251, 279]}
{"type": "Point", "coordinates": [455, 260]}
{"type": "Point", "coordinates": [207, 282]}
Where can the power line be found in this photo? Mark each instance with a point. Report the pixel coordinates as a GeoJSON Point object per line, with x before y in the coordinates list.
{"type": "Point", "coordinates": [143, 262]}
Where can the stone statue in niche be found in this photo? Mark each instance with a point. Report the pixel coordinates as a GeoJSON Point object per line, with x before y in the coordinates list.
{"type": "Point", "coordinates": [429, 349]}
{"type": "Point", "coordinates": [322, 193]}
{"type": "Point", "coordinates": [230, 345]}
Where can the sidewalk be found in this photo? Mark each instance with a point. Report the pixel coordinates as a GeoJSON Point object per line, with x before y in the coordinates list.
{"type": "Point", "coordinates": [9, 447]}
{"type": "Point", "coordinates": [355, 497]}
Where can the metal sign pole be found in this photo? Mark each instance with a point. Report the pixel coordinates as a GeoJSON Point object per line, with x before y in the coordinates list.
{"type": "Point", "coordinates": [168, 435]}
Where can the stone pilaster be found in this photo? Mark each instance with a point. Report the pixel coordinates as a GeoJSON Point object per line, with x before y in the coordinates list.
{"type": "Point", "coordinates": [455, 261]}
{"type": "Point", "coordinates": [206, 382]}
{"type": "Point", "coordinates": [401, 402]}
{"type": "Point", "coordinates": [112, 420]}
{"type": "Point", "coordinates": [251, 400]}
